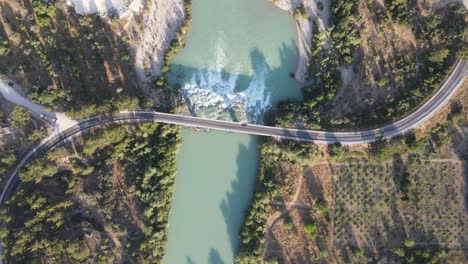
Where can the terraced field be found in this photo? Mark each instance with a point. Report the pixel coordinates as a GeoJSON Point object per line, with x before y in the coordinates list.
{"type": "Point", "coordinates": [381, 205]}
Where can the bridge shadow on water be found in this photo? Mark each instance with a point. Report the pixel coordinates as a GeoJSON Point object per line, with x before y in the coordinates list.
{"type": "Point", "coordinates": [265, 83]}
{"type": "Point", "coordinates": [224, 86]}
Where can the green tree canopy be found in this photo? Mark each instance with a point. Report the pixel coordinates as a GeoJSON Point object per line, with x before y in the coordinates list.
{"type": "Point", "coordinates": [438, 56]}
{"type": "Point", "coordinates": [20, 116]}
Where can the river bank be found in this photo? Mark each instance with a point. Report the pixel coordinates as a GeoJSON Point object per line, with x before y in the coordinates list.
{"type": "Point", "coordinates": [151, 36]}
{"type": "Point", "coordinates": [236, 63]}
{"type": "Point", "coordinates": [318, 11]}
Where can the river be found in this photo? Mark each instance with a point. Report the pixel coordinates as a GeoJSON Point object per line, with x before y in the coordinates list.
{"type": "Point", "coordinates": [237, 61]}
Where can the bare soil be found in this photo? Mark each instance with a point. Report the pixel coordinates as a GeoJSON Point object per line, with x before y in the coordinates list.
{"type": "Point", "coordinates": [381, 44]}
{"type": "Point", "coordinates": [81, 65]}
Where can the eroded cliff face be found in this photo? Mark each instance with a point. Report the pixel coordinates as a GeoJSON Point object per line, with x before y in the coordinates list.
{"type": "Point", "coordinates": [106, 7]}
{"type": "Point", "coordinates": [318, 10]}
{"type": "Point", "coordinates": [438, 4]}
{"type": "Point", "coordinates": [152, 38]}
{"type": "Point", "coordinates": [149, 25]}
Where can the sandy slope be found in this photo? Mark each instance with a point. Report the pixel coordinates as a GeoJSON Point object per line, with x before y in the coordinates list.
{"type": "Point", "coordinates": [304, 29]}
{"type": "Point", "coordinates": [123, 7]}
{"type": "Point", "coordinates": [436, 4]}
{"type": "Point", "coordinates": [160, 25]}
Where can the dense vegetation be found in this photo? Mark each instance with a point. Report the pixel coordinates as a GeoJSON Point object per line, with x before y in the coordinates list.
{"type": "Point", "coordinates": [20, 116]}
{"type": "Point", "coordinates": [345, 36]}
{"type": "Point", "coordinates": [108, 200]}
{"type": "Point", "coordinates": [106, 107]}
{"type": "Point", "coordinates": [324, 70]}
{"type": "Point", "coordinates": [316, 99]}
{"type": "Point", "coordinates": [7, 159]}
{"type": "Point", "coordinates": [398, 200]}
{"type": "Point", "coordinates": [392, 86]}
{"type": "Point", "coordinates": [107, 203]}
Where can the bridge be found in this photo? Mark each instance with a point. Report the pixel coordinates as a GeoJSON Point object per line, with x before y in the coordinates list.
{"type": "Point", "coordinates": [439, 99]}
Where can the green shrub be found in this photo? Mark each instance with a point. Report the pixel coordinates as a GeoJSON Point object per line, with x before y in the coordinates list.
{"type": "Point", "coordinates": [44, 12]}
{"type": "Point", "coordinates": [288, 223]}
{"type": "Point", "coordinates": [399, 252]}
{"type": "Point", "coordinates": [300, 12]}
{"type": "Point", "coordinates": [48, 97]}
{"type": "Point", "coordinates": [106, 107]}
{"type": "Point", "coordinates": [409, 243]}
{"type": "Point", "coordinates": [4, 47]}
{"type": "Point", "coordinates": [311, 229]}
{"type": "Point", "coordinates": [438, 56]}
{"type": "Point", "coordinates": [20, 116]}
{"type": "Point", "coordinates": [462, 54]}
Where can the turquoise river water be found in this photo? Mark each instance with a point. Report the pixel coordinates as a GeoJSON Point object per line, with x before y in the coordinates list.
{"type": "Point", "coordinates": [237, 61]}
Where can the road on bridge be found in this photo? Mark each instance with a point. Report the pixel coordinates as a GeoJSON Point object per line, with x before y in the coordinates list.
{"type": "Point", "coordinates": [451, 85]}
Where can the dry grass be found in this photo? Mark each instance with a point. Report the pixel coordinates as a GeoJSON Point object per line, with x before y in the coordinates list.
{"type": "Point", "coordinates": [459, 102]}
{"type": "Point", "coordinates": [120, 222]}
{"type": "Point", "coordinates": [381, 43]}
{"type": "Point", "coordinates": [291, 244]}
{"type": "Point", "coordinates": [87, 56]}
{"type": "Point", "coordinates": [369, 212]}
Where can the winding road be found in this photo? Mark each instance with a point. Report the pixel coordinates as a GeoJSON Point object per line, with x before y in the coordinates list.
{"type": "Point", "coordinates": [451, 85]}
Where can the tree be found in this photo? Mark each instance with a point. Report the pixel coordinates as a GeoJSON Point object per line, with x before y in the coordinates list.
{"type": "Point", "coordinates": [322, 206]}
{"type": "Point", "coordinates": [399, 251]}
{"type": "Point", "coordinates": [462, 54]}
{"type": "Point", "coordinates": [438, 56]}
{"type": "Point", "coordinates": [4, 48]}
{"type": "Point", "coordinates": [300, 12]}
{"type": "Point", "coordinates": [8, 156]}
{"type": "Point", "coordinates": [311, 229]}
{"type": "Point", "coordinates": [57, 153]}
{"type": "Point", "coordinates": [36, 134]}
{"type": "Point", "coordinates": [336, 150]}
{"type": "Point", "coordinates": [288, 224]}
{"type": "Point", "coordinates": [126, 103]}
{"type": "Point", "coordinates": [359, 253]}
{"type": "Point", "coordinates": [20, 116]}
{"type": "Point", "coordinates": [409, 243]}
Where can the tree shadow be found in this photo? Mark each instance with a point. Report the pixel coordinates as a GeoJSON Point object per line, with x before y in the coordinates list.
{"type": "Point", "coordinates": [312, 182]}
{"type": "Point", "coordinates": [214, 257]}
{"type": "Point", "coordinates": [234, 205]}
{"type": "Point", "coordinates": [264, 87]}
{"type": "Point", "coordinates": [190, 260]}
{"type": "Point", "coordinates": [86, 70]}
{"type": "Point", "coordinates": [272, 253]}
{"type": "Point", "coordinates": [459, 144]}
{"type": "Point", "coordinates": [383, 225]}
